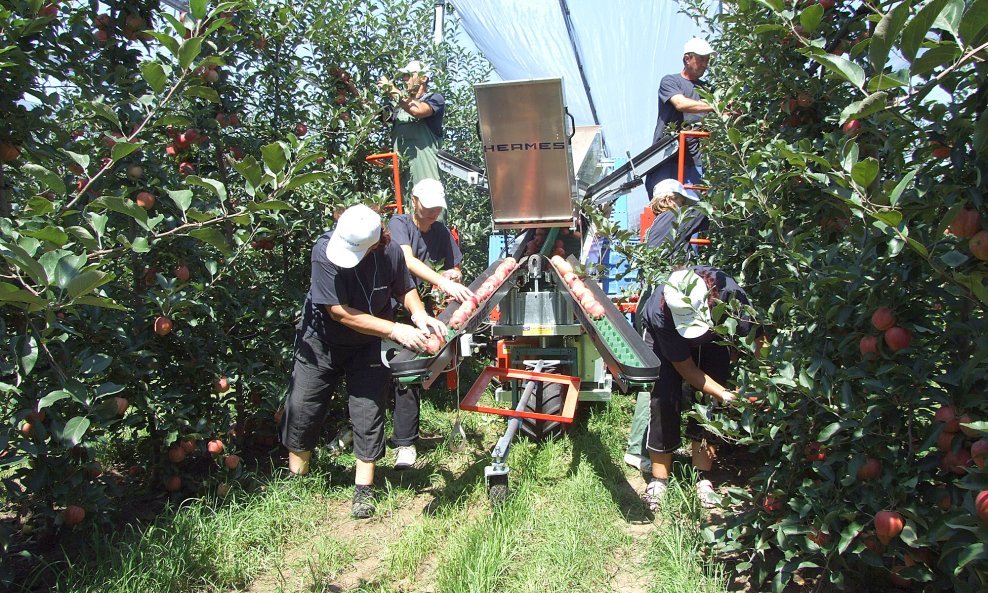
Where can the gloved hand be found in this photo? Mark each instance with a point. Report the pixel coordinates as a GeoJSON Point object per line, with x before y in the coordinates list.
{"type": "Point", "coordinates": [408, 336]}
{"type": "Point", "coordinates": [727, 397]}
{"type": "Point", "coordinates": [430, 325]}
{"type": "Point", "coordinates": [455, 290]}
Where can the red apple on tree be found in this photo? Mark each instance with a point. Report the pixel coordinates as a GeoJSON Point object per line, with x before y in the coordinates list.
{"type": "Point", "coordinates": [145, 199]}
{"type": "Point", "coordinates": [981, 505]}
{"type": "Point", "coordinates": [215, 447]}
{"type": "Point", "coordinates": [173, 484]}
{"type": "Point", "coordinates": [940, 151]}
{"type": "Point", "coordinates": [897, 338]}
{"type": "Point", "coordinates": [868, 346]}
{"type": "Point", "coordinates": [948, 415]}
{"type": "Point", "coordinates": [162, 325]}
{"type": "Point", "coordinates": [979, 452]}
{"type": "Point", "coordinates": [979, 245]}
{"type": "Point", "coordinates": [8, 152]}
{"type": "Point", "coordinates": [135, 172]}
{"type": "Point", "coordinates": [870, 469]}
{"type": "Point", "coordinates": [182, 273]}
{"type": "Point", "coordinates": [231, 461]}
{"type": "Point", "coordinates": [301, 129]}
{"type": "Point", "coordinates": [73, 515]}
{"type": "Point", "coordinates": [888, 525]}
{"type": "Point", "coordinates": [222, 384]}
{"type": "Point", "coordinates": [966, 223]}
{"type": "Point", "coordinates": [176, 454]}
{"type": "Point", "coordinates": [122, 405]}
{"type": "Point", "coordinates": [851, 127]}
{"type": "Point", "coordinates": [186, 168]}
{"type": "Point", "coordinates": [882, 318]}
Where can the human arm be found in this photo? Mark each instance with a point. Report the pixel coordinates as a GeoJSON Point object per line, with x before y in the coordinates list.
{"type": "Point", "coordinates": [412, 106]}
{"type": "Point", "coordinates": [695, 376]}
{"type": "Point", "coordinates": [424, 272]}
{"type": "Point", "coordinates": [684, 104]}
{"type": "Point", "coordinates": [422, 320]}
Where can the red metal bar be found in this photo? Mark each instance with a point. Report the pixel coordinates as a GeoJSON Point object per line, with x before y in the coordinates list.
{"type": "Point", "coordinates": [470, 400]}
{"type": "Point", "coordinates": [683, 135]}
{"type": "Point", "coordinates": [393, 157]}
{"type": "Point", "coordinates": [699, 241]}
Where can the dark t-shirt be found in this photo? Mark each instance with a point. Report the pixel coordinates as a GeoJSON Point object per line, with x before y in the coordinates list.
{"type": "Point", "coordinates": [434, 121]}
{"type": "Point", "coordinates": [433, 246]}
{"type": "Point", "coordinates": [671, 346]}
{"type": "Point", "coordinates": [369, 287]}
{"type": "Point", "coordinates": [670, 119]}
{"type": "Point", "coordinates": [666, 228]}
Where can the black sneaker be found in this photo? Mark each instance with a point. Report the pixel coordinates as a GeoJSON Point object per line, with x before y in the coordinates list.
{"type": "Point", "coordinates": [363, 502]}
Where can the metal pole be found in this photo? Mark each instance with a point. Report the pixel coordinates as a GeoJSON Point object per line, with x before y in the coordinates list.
{"type": "Point", "coordinates": [437, 25]}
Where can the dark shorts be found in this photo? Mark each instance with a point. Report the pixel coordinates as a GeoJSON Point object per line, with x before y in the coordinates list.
{"type": "Point", "coordinates": [671, 394]}
{"type": "Point", "coordinates": [315, 376]}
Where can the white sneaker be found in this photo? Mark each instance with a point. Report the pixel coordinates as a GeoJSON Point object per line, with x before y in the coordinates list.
{"type": "Point", "coordinates": [709, 499]}
{"type": "Point", "coordinates": [639, 462]}
{"type": "Point", "coordinates": [405, 457]}
{"type": "Point", "coordinates": [341, 442]}
{"type": "Point", "coordinates": [654, 493]}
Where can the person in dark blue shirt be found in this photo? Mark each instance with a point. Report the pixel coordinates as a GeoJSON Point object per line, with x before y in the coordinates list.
{"type": "Point", "coordinates": [427, 244]}
{"type": "Point", "coordinates": [356, 272]}
{"type": "Point", "coordinates": [680, 329]}
{"type": "Point", "coordinates": [679, 106]}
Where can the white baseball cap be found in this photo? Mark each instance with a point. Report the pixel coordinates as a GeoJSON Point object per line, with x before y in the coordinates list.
{"type": "Point", "coordinates": [415, 67]}
{"type": "Point", "coordinates": [430, 193]}
{"type": "Point", "coordinates": [699, 47]}
{"type": "Point", "coordinates": [673, 186]}
{"type": "Point", "coordinates": [357, 230]}
{"type": "Point", "coordinates": [686, 296]}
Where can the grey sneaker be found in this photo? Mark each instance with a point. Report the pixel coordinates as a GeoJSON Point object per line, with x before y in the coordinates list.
{"type": "Point", "coordinates": [363, 502]}
{"type": "Point", "coordinates": [709, 498]}
{"type": "Point", "coordinates": [639, 462]}
{"type": "Point", "coordinates": [405, 457]}
{"type": "Point", "coordinates": [654, 493]}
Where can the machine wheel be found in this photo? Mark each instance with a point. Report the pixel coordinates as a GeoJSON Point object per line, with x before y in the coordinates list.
{"type": "Point", "coordinates": [547, 399]}
{"type": "Point", "coordinates": [497, 493]}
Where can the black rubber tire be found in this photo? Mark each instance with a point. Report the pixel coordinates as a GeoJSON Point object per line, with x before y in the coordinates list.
{"type": "Point", "coordinates": [547, 399]}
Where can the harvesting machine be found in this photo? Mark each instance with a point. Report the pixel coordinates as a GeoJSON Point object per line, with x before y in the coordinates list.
{"type": "Point", "coordinates": [560, 338]}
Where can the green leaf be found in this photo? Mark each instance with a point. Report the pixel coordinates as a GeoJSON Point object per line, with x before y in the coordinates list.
{"type": "Point", "coordinates": [275, 156]}
{"type": "Point", "coordinates": [864, 172]}
{"type": "Point", "coordinates": [68, 267]}
{"type": "Point", "coordinates": [140, 245]}
{"type": "Point", "coordinates": [980, 136]}
{"type": "Point", "coordinates": [203, 92]}
{"type": "Point", "coordinates": [810, 17]}
{"type": "Point", "coordinates": [49, 233]}
{"type": "Point", "coordinates": [830, 431]}
{"type": "Point", "coordinates": [941, 54]}
{"type": "Point", "coordinates": [16, 255]}
{"type": "Point", "coordinates": [12, 294]}
{"type": "Point", "coordinates": [212, 184]}
{"type": "Point", "coordinates": [859, 109]}
{"type": "Point", "coordinates": [126, 207]}
{"type": "Point", "coordinates": [885, 34]}
{"type": "Point", "coordinates": [300, 180]}
{"type": "Point", "coordinates": [80, 159]}
{"type": "Point", "coordinates": [189, 51]}
{"type": "Point", "coordinates": [87, 282]}
{"type": "Point", "coordinates": [902, 185]}
{"type": "Point", "coordinates": [976, 551]}
{"type": "Point", "coordinates": [47, 178]}
{"type": "Point", "coordinates": [916, 29]}
{"type": "Point", "coordinates": [198, 9]}
{"type": "Point", "coordinates": [980, 426]}
{"type": "Point", "coordinates": [269, 205]}
{"type": "Point", "coordinates": [95, 301]}
{"type": "Point", "coordinates": [892, 217]}
{"type": "Point", "coordinates": [949, 18]}
{"type": "Point", "coordinates": [38, 206]}
{"type": "Point", "coordinates": [123, 149]}
{"type": "Point", "coordinates": [75, 429]}
{"type": "Point", "coordinates": [212, 237]}
{"type": "Point", "coordinates": [103, 110]}
{"type": "Point", "coordinates": [53, 397]}
{"type": "Point", "coordinates": [27, 353]}
{"type": "Point", "coordinates": [843, 68]}
{"type": "Point", "coordinates": [181, 197]}
{"type": "Point", "coordinates": [887, 80]}
{"type": "Point", "coordinates": [167, 40]}
{"type": "Point", "coordinates": [974, 21]}
{"type": "Point", "coordinates": [97, 363]}
{"type": "Point", "coordinates": [249, 168]}
{"type": "Point", "coordinates": [774, 5]}
{"type": "Point", "coordinates": [154, 75]}
{"type": "Point", "coordinates": [918, 247]}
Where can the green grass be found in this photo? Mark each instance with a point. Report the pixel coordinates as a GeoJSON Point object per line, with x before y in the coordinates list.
{"type": "Point", "coordinates": [565, 527]}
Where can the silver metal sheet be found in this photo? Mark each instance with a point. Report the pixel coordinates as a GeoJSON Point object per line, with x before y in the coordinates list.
{"type": "Point", "coordinates": [523, 129]}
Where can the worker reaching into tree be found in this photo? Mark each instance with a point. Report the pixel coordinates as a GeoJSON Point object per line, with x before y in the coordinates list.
{"type": "Point", "coordinates": [416, 121]}
{"type": "Point", "coordinates": [681, 331]}
{"type": "Point", "coordinates": [680, 105]}
{"type": "Point", "coordinates": [356, 271]}
{"type": "Point", "coordinates": [676, 221]}
{"type": "Point", "coordinates": [426, 243]}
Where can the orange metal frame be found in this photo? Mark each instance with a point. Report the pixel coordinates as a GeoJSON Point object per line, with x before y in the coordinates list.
{"type": "Point", "coordinates": [378, 159]}
{"type": "Point", "coordinates": [683, 135]}
{"type": "Point", "coordinates": [470, 400]}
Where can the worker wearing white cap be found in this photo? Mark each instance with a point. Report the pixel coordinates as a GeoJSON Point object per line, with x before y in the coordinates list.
{"type": "Point", "coordinates": [679, 106]}
{"type": "Point", "coordinates": [417, 121]}
{"type": "Point", "coordinates": [427, 244]}
{"type": "Point", "coordinates": [356, 271]}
